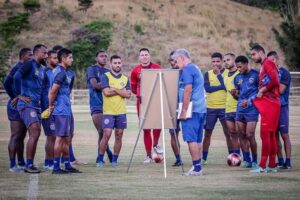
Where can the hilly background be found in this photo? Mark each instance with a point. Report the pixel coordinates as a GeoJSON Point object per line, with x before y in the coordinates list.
{"type": "Point", "coordinates": [201, 26]}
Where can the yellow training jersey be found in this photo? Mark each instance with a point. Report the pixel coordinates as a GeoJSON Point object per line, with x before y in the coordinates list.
{"type": "Point", "coordinates": [115, 105]}
{"type": "Point", "coordinates": [217, 99]}
{"type": "Point", "coordinates": [231, 102]}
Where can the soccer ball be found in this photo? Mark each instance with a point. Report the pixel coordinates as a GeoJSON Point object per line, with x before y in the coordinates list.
{"type": "Point", "coordinates": [158, 158]}
{"type": "Point", "coordinates": [234, 160]}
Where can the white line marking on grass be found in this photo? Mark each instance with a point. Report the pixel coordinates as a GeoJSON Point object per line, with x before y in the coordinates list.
{"type": "Point", "coordinates": [33, 188]}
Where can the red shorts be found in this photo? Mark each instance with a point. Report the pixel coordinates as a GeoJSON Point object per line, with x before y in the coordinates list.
{"type": "Point", "coordinates": [269, 111]}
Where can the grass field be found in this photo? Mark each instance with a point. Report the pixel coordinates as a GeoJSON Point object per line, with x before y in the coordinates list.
{"type": "Point", "coordinates": [146, 181]}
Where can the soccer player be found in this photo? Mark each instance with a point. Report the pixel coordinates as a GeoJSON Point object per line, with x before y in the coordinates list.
{"type": "Point", "coordinates": [191, 89]}
{"type": "Point", "coordinates": [48, 123]}
{"type": "Point", "coordinates": [116, 88]}
{"type": "Point", "coordinates": [268, 105]}
{"type": "Point", "coordinates": [28, 82]}
{"type": "Point", "coordinates": [175, 132]}
{"type": "Point", "coordinates": [283, 126]}
{"type": "Point", "coordinates": [246, 84]}
{"type": "Point", "coordinates": [135, 79]}
{"type": "Point", "coordinates": [17, 127]}
{"type": "Point", "coordinates": [60, 108]}
{"type": "Point", "coordinates": [216, 102]}
{"type": "Point", "coordinates": [93, 77]}
{"type": "Point", "coordinates": [231, 102]}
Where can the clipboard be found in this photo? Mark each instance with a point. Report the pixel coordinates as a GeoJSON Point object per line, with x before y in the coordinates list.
{"type": "Point", "coordinates": [189, 111]}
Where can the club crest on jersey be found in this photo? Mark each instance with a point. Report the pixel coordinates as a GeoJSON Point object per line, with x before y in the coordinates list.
{"type": "Point", "coordinates": [122, 84]}
{"type": "Point", "coordinates": [32, 114]}
{"type": "Point", "coordinates": [69, 79]}
{"type": "Point", "coordinates": [240, 81]}
{"type": "Point", "coordinates": [251, 80]}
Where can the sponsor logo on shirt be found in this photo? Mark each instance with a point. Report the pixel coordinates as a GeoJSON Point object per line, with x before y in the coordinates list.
{"type": "Point", "coordinates": [32, 114]}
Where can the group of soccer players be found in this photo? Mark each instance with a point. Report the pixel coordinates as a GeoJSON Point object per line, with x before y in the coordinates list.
{"type": "Point", "coordinates": [235, 94]}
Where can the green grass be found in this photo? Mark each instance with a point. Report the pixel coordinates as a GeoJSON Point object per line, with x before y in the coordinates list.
{"type": "Point", "coordinates": [147, 181]}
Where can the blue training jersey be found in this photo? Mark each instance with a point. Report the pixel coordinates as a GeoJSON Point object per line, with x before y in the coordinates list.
{"type": "Point", "coordinates": [96, 100]}
{"type": "Point", "coordinates": [64, 78]}
{"type": "Point", "coordinates": [285, 79]}
{"type": "Point", "coordinates": [46, 87]}
{"type": "Point", "coordinates": [29, 80]}
{"type": "Point", "coordinates": [8, 84]}
{"type": "Point", "coordinates": [247, 84]}
{"type": "Point", "coordinates": [191, 74]}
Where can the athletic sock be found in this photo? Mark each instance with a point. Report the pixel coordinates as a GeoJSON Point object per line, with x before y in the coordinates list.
{"type": "Point", "coordinates": [46, 162]}
{"type": "Point", "coordinates": [280, 161]}
{"type": "Point", "coordinates": [288, 162]}
{"type": "Point", "coordinates": [29, 163]}
{"type": "Point", "coordinates": [237, 151]}
{"type": "Point", "coordinates": [177, 158]}
{"type": "Point", "coordinates": [67, 163]}
{"type": "Point", "coordinates": [115, 158]}
{"type": "Point", "coordinates": [247, 157]}
{"type": "Point", "coordinates": [108, 151]}
{"type": "Point", "coordinates": [56, 164]}
{"type": "Point", "coordinates": [100, 157]}
{"type": "Point", "coordinates": [21, 162]}
{"type": "Point", "coordinates": [12, 162]}
{"type": "Point", "coordinates": [204, 155]}
{"type": "Point", "coordinates": [254, 158]}
{"type": "Point", "coordinates": [50, 162]}
{"type": "Point", "coordinates": [71, 154]}
{"type": "Point", "coordinates": [197, 165]}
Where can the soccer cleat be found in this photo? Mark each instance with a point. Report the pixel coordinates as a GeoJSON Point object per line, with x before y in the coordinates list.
{"type": "Point", "coordinates": [32, 170]}
{"type": "Point", "coordinates": [191, 172]}
{"type": "Point", "coordinates": [100, 164]}
{"type": "Point", "coordinates": [158, 149]}
{"type": "Point", "coordinates": [279, 164]}
{"type": "Point", "coordinates": [258, 170]}
{"type": "Point", "coordinates": [177, 163]}
{"type": "Point", "coordinates": [285, 166]}
{"type": "Point", "coordinates": [72, 170]}
{"type": "Point", "coordinates": [148, 160]}
{"type": "Point", "coordinates": [246, 164]}
{"type": "Point", "coordinates": [254, 165]}
{"type": "Point", "coordinates": [59, 171]}
{"type": "Point", "coordinates": [21, 167]}
{"type": "Point", "coordinates": [271, 170]}
{"type": "Point", "coordinates": [204, 162]}
{"type": "Point", "coordinates": [114, 164]}
{"type": "Point", "coordinates": [16, 169]}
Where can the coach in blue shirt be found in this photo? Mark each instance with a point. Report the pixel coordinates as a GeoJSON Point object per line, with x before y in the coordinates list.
{"type": "Point", "coordinates": [191, 89]}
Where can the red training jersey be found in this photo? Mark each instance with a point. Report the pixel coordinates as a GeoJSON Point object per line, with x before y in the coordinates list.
{"type": "Point", "coordinates": [135, 77]}
{"type": "Point", "coordinates": [268, 78]}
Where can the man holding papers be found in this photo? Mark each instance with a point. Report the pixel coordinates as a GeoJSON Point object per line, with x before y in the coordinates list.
{"type": "Point", "coordinates": [191, 91]}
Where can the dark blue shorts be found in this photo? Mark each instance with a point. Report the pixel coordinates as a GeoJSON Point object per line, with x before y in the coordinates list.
{"type": "Point", "coordinates": [283, 124]}
{"type": "Point", "coordinates": [63, 125]}
{"type": "Point", "coordinates": [212, 116]}
{"type": "Point", "coordinates": [246, 117]}
{"type": "Point", "coordinates": [49, 126]}
{"type": "Point", "coordinates": [13, 114]}
{"type": "Point", "coordinates": [30, 116]}
{"type": "Point", "coordinates": [177, 129]}
{"type": "Point", "coordinates": [192, 129]}
{"type": "Point", "coordinates": [114, 121]}
{"type": "Point", "coordinates": [230, 116]}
